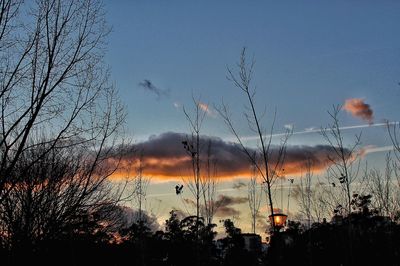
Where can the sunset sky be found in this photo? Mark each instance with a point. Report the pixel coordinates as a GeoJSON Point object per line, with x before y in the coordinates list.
{"type": "Point", "coordinates": [309, 56]}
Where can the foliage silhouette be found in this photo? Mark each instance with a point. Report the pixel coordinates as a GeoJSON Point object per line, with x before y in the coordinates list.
{"type": "Point", "coordinates": [374, 240]}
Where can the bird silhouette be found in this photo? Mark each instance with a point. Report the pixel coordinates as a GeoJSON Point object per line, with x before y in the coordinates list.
{"type": "Point", "coordinates": [342, 178]}
{"type": "Point", "coordinates": [178, 189]}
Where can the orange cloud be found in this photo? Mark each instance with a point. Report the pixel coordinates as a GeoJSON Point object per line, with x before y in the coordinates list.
{"type": "Point", "coordinates": [359, 109]}
{"type": "Point", "coordinates": [165, 158]}
{"type": "Point", "coordinates": [205, 108]}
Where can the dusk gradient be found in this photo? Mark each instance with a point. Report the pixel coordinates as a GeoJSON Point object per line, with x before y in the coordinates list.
{"type": "Point", "coordinates": [309, 56]}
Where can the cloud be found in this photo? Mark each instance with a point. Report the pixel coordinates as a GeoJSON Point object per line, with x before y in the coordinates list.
{"type": "Point", "coordinates": [207, 109]}
{"type": "Point", "coordinates": [224, 200]}
{"type": "Point", "coordinates": [299, 156]}
{"type": "Point", "coordinates": [289, 127]}
{"type": "Point", "coordinates": [147, 85]}
{"type": "Point", "coordinates": [190, 202]}
{"type": "Point", "coordinates": [164, 157]}
{"type": "Point", "coordinates": [239, 185]}
{"type": "Point", "coordinates": [224, 205]}
{"type": "Point", "coordinates": [130, 216]}
{"type": "Point", "coordinates": [359, 109]}
{"type": "Point", "coordinates": [225, 211]}
{"type": "Point", "coordinates": [372, 149]}
{"type": "Point", "coordinates": [311, 130]}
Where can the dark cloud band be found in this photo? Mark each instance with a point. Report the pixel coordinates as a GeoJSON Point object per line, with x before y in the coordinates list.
{"type": "Point", "coordinates": [164, 156]}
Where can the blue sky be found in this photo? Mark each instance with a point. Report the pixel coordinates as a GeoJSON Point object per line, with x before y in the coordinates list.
{"type": "Point", "coordinates": [309, 56]}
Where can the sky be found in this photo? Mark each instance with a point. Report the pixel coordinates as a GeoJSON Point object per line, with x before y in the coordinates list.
{"type": "Point", "coordinates": [309, 56]}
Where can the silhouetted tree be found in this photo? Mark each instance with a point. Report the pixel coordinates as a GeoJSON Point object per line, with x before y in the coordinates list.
{"type": "Point", "coordinates": [235, 252]}
{"type": "Point", "coordinates": [374, 240]}
{"type": "Point", "coordinates": [60, 122]}
{"type": "Point", "coordinates": [58, 196]}
{"type": "Point", "coordinates": [393, 130]}
{"type": "Point", "coordinates": [193, 148]}
{"type": "Point", "coordinates": [270, 165]}
{"type": "Point", "coordinates": [344, 167]}
{"type": "Point", "coordinates": [209, 183]}
{"type": "Point", "coordinates": [189, 241]}
{"type": "Point", "coordinates": [53, 82]}
{"type": "Point", "coordinates": [254, 196]}
{"type": "Point", "coordinates": [383, 185]}
{"type": "Point", "coordinates": [312, 201]}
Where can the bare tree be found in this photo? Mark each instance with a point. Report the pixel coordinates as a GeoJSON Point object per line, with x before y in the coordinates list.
{"type": "Point", "coordinates": [313, 199]}
{"type": "Point", "coordinates": [272, 160]}
{"type": "Point", "coordinates": [393, 130]}
{"type": "Point", "coordinates": [255, 196]}
{"type": "Point", "coordinates": [393, 167]}
{"type": "Point", "coordinates": [385, 190]}
{"type": "Point", "coordinates": [345, 166]}
{"type": "Point", "coordinates": [53, 82]}
{"type": "Point", "coordinates": [60, 118]}
{"type": "Point", "coordinates": [304, 194]}
{"type": "Point", "coordinates": [321, 204]}
{"type": "Point", "coordinates": [209, 183]}
{"type": "Point", "coordinates": [193, 148]}
{"type": "Point", "coordinates": [64, 192]}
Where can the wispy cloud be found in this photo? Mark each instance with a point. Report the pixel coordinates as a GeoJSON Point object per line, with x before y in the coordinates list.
{"type": "Point", "coordinates": [372, 149]}
{"type": "Point", "coordinates": [310, 129]}
{"type": "Point", "coordinates": [224, 200]}
{"type": "Point", "coordinates": [239, 185]}
{"type": "Point", "coordinates": [289, 127]}
{"type": "Point", "coordinates": [225, 206]}
{"type": "Point", "coordinates": [207, 109]}
{"type": "Point", "coordinates": [226, 211]}
{"type": "Point", "coordinates": [147, 85]}
{"type": "Point", "coordinates": [317, 130]}
{"type": "Point", "coordinates": [359, 109]}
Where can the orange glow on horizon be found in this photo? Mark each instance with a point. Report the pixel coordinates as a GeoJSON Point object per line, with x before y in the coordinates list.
{"type": "Point", "coordinates": [171, 170]}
